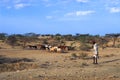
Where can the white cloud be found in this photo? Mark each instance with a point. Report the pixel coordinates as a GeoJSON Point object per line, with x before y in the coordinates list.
{"type": "Point", "coordinates": [115, 2]}
{"type": "Point", "coordinates": [22, 1]}
{"type": "Point", "coordinates": [80, 13]}
{"type": "Point", "coordinates": [70, 14]}
{"type": "Point", "coordinates": [83, 1]}
{"type": "Point", "coordinates": [45, 0]}
{"type": "Point", "coordinates": [17, 4]}
{"type": "Point", "coordinates": [47, 3]}
{"type": "Point", "coordinates": [21, 5]}
{"type": "Point", "coordinates": [113, 6]}
{"type": "Point", "coordinates": [51, 3]}
{"type": "Point", "coordinates": [114, 10]}
{"type": "Point", "coordinates": [8, 7]}
{"type": "Point", "coordinates": [49, 17]}
{"type": "Point", "coordinates": [112, 3]}
{"type": "Point", "coordinates": [17, 1]}
{"type": "Point", "coordinates": [4, 1]}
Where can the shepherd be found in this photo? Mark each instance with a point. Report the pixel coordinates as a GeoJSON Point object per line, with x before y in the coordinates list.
{"type": "Point", "coordinates": [96, 53]}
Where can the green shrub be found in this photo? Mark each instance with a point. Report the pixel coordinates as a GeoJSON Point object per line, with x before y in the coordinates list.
{"type": "Point", "coordinates": [85, 47]}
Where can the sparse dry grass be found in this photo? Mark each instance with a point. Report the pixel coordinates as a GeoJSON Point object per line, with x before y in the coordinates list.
{"type": "Point", "coordinates": [81, 55]}
{"type": "Point", "coordinates": [55, 66]}
{"type": "Point", "coordinates": [109, 55]}
{"type": "Point", "coordinates": [8, 67]}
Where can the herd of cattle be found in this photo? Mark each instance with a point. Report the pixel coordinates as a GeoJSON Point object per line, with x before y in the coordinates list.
{"type": "Point", "coordinates": [50, 48]}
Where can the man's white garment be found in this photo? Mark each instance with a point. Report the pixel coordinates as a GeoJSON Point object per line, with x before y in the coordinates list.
{"type": "Point", "coordinates": [95, 47]}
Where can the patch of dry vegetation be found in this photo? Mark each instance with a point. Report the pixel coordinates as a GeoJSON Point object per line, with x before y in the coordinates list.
{"type": "Point", "coordinates": [81, 55]}
{"type": "Point", "coordinates": [8, 67]}
{"type": "Point", "coordinates": [109, 55]}
{"type": "Point", "coordinates": [16, 64]}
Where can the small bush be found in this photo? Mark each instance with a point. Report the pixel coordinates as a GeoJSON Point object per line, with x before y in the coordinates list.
{"type": "Point", "coordinates": [80, 55]}
{"type": "Point", "coordinates": [83, 55]}
{"type": "Point", "coordinates": [71, 48]}
{"type": "Point", "coordinates": [74, 56]}
{"type": "Point", "coordinates": [85, 47]}
{"type": "Point", "coordinates": [110, 55]}
{"type": "Point", "coordinates": [83, 64]}
{"type": "Point", "coordinates": [118, 46]}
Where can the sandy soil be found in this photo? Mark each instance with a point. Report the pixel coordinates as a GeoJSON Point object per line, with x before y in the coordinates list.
{"type": "Point", "coordinates": [17, 64]}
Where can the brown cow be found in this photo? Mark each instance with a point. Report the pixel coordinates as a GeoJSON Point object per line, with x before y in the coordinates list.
{"type": "Point", "coordinates": [64, 48]}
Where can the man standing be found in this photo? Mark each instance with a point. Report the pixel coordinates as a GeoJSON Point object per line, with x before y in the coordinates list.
{"type": "Point", "coordinates": [96, 55]}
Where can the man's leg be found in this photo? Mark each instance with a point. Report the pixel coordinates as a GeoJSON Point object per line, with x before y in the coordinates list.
{"type": "Point", "coordinates": [96, 61]}
{"type": "Point", "coordinates": [93, 59]}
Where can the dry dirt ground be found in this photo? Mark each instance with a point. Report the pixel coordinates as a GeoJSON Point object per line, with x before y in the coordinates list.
{"type": "Point", "coordinates": [18, 64]}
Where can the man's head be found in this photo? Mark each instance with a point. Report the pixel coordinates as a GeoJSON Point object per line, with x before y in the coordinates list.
{"type": "Point", "coordinates": [94, 42]}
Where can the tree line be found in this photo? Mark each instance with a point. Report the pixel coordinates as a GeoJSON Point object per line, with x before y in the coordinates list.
{"type": "Point", "coordinates": [23, 39]}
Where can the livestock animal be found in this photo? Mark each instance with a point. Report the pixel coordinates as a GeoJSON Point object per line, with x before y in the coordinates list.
{"type": "Point", "coordinates": [32, 46]}
{"type": "Point", "coordinates": [38, 46]}
{"type": "Point", "coordinates": [55, 49]}
{"type": "Point", "coordinates": [59, 50]}
{"type": "Point", "coordinates": [44, 47]}
{"type": "Point", "coordinates": [63, 48]}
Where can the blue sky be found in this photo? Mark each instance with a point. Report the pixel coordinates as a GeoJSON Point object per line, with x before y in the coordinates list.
{"type": "Point", "coordinates": [60, 16]}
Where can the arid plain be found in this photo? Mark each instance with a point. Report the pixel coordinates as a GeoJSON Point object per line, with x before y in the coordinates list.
{"type": "Point", "coordinates": [33, 63]}
{"type": "Point", "coordinates": [44, 65]}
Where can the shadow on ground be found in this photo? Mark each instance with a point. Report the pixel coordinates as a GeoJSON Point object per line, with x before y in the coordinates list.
{"type": "Point", "coordinates": [16, 64]}
{"type": "Point", "coordinates": [4, 59]}
{"type": "Point", "coordinates": [109, 61]}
